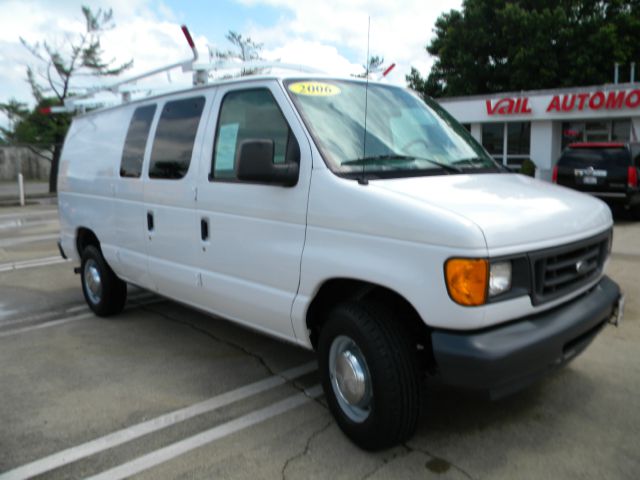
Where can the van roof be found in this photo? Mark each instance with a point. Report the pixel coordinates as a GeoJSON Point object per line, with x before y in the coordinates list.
{"type": "Point", "coordinates": [239, 80]}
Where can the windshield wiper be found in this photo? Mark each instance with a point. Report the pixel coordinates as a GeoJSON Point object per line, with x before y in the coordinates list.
{"type": "Point", "coordinates": [476, 162]}
{"type": "Point", "coordinates": [471, 161]}
{"type": "Point", "coordinates": [444, 166]}
{"type": "Point", "coordinates": [376, 158]}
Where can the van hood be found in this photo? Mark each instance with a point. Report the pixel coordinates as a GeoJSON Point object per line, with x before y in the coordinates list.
{"type": "Point", "coordinates": [511, 210]}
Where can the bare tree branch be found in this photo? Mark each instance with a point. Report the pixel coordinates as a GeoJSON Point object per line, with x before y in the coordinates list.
{"type": "Point", "coordinates": [62, 61]}
{"type": "Point", "coordinates": [37, 152]}
{"type": "Point", "coordinates": [52, 85]}
{"type": "Point", "coordinates": [34, 49]}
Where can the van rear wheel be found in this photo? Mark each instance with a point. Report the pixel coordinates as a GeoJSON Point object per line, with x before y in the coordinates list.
{"type": "Point", "coordinates": [103, 291]}
{"type": "Point", "coordinates": [369, 374]}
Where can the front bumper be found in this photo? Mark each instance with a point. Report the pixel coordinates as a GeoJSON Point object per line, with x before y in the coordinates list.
{"type": "Point", "coordinates": [507, 358]}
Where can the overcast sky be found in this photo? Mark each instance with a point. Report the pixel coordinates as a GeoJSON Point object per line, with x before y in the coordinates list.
{"type": "Point", "coordinates": [329, 34]}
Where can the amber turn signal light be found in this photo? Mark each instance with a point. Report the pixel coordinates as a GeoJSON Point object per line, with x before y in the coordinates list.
{"type": "Point", "coordinates": [467, 280]}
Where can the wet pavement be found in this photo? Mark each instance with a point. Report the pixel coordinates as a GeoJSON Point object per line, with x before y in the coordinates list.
{"type": "Point", "coordinates": [164, 391]}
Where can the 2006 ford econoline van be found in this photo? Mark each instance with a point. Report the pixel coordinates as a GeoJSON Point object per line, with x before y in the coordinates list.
{"type": "Point", "coordinates": [349, 218]}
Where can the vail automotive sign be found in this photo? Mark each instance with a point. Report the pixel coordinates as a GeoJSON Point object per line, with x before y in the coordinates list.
{"type": "Point", "coordinates": [570, 102]}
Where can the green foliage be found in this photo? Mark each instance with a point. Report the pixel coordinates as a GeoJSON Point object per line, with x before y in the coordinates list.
{"type": "Point", "coordinates": [528, 167]}
{"type": "Point", "coordinates": [243, 49]}
{"type": "Point", "coordinates": [492, 46]}
{"type": "Point", "coordinates": [375, 66]}
{"type": "Point", "coordinates": [50, 84]}
{"type": "Point", "coordinates": [33, 127]}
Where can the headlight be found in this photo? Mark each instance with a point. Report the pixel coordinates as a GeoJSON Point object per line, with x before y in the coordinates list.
{"type": "Point", "coordinates": [499, 278]}
{"type": "Point", "coordinates": [467, 280]}
{"type": "Point", "coordinates": [471, 280]}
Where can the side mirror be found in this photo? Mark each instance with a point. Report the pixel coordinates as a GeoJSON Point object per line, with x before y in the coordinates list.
{"type": "Point", "coordinates": [254, 163]}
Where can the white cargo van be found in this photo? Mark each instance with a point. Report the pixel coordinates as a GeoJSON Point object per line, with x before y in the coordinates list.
{"type": "Point", "coordinates": [349, 218]}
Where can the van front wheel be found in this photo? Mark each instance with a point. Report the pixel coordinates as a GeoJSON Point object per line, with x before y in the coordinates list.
{"type": "Point", "coordinates": [104, 292]}
{"type": "Point", "coordinates": [369, 374]}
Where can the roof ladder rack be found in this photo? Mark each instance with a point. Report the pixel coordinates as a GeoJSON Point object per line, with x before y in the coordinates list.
{"type": "Point", "coordinates": [200, 77]}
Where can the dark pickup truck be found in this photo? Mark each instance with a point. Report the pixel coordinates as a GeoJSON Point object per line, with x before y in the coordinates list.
{"type": "Point", "coordinates": [606, 170]}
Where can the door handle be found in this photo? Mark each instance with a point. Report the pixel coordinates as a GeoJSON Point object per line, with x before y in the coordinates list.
{"type": "Point", "coordinates": [150, 225]}
{"type": "Point", "coordinates": [204, 229]}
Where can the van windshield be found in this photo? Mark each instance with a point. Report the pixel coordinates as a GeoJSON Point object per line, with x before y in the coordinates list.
{"type": "Point", "coordinates": [404, 135]}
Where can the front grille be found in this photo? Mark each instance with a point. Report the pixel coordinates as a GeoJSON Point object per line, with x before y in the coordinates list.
{"type": "Point", "coordinates": [561, 270]}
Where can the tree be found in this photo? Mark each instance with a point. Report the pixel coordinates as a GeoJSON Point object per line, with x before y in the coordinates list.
{"type": "Point", "coordinates": [244, 49]}
{"type": "Point", "coordinates": [32, 129]}
{"type": "Point", "coordinates": [375, 65]}
{"type": "Point", "coordinates": [51, 83]}
{"type": "Point", "coordinates": [492, 45]}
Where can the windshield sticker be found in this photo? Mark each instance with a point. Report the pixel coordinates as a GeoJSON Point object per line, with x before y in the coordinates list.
{"type": "Point", "coordinates": [226, 149]}
{"type": "Point", "coordinates": [315, 89]}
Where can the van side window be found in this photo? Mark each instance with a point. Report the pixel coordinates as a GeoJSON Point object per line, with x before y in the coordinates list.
{"type": "Point", "coordinates": [176, 132]}
{"type": "Point", "coordinates": [249, 114]}
{"type": "Point", "coordinates": [133, 151]}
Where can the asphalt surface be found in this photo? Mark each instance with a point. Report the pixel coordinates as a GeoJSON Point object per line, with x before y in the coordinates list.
{"type": "Point", "coordinates": [164, 391]}
{"type": "Point", "coordinates": [34, 191]}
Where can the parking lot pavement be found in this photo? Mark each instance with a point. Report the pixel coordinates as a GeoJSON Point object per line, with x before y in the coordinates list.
{"type": "Point", "coordinates": [34, 191]}
{"type": "Point", "coordinates": [164, 391]}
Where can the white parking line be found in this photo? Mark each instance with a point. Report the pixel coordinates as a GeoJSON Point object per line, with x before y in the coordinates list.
{"type": "Point", "coordinates": [73, 318]}
{"type": "Point", "coordinates": [36, 262]}
{"type": "Point", "coordinates": [53, 323]}
{"type": "Point", "coordinates": [176, 449]}
{"type": "Point", "coordinates": [136, 297]}
{"type": "Point", "coordinates": [12, 242]}
{"type": "Point", "coordinates": [19, 215]}
{"type": "Point", "coordinates": [80, 307]}
{"type": "Point", "coordinates": [22, 223]}
{"type": "Point", "coordinates": [119, 437]}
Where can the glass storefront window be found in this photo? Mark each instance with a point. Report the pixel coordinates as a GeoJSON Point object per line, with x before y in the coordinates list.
{"type": "Point", "coordinates": [596, 131]}
{"type": "Point", "coordinates": [493, 138]}
{"type": "Point", "coordinates": [572, 132]}
{"type": "Point", "coordinates": [518, 138]}
{"type": "Point", "coordinates": [621, 130]}
{"type": "Point", "coordinates": [508, 143]}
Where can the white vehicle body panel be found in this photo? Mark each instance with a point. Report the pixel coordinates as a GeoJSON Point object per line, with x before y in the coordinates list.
{"type": "Point", "coordinates": [511, 210]}
{"type": "Point", "coordinates": [250, 264]}
{"type": "Point", "coordinates": [172, 243]}
{"type": "Point", "coordinates": [270, 249]}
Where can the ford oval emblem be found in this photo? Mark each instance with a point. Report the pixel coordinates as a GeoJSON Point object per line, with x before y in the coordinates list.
{"type": "Point", "coordinates": [581, 266]}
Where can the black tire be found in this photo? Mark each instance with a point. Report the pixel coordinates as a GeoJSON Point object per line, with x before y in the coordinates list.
{"type": "Point", "coordinates": [112, 294]}
{"type": "Point", "coordinates": [393, 411]}
{"type": "Point", "coordinates": [635, 211]}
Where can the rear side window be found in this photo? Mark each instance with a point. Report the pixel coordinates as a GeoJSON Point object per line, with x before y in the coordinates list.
{"type": "Point", "coordinates": [248, 114]}
{"type": "Point", "coordinates": [596, 157]}
{"type": "Point", "coordinates": [176, 132]}
{"type": "Point", "coordinates": [133, 151]}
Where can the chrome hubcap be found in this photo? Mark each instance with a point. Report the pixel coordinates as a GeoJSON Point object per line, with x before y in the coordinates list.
{"type": "Point", "coordinates": [92, 281]}
{"type": "Point", "coordinates": [350, 378]}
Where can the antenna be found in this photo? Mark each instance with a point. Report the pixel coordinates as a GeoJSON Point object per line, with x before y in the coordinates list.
{"type": "Point", "coordinates": [363, 179]}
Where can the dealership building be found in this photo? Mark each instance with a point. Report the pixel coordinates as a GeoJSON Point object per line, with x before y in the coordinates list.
{"type": "Point", "coordinates": [539, 124]}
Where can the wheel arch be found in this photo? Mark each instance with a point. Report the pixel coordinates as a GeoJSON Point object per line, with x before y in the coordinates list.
{"type": "Point", "coordinates": [85, 237]}
{"type": "Point", "coordinates": [337, 290]}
